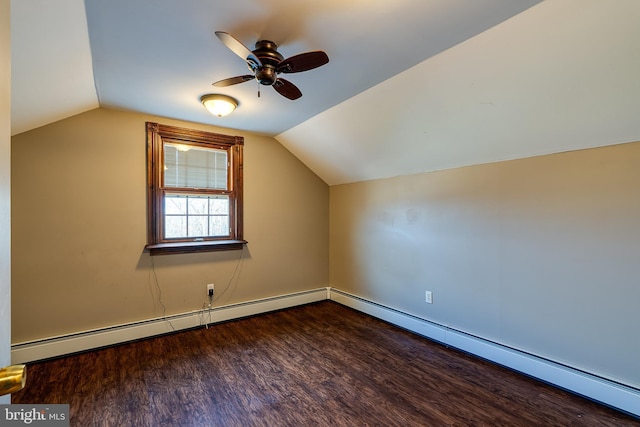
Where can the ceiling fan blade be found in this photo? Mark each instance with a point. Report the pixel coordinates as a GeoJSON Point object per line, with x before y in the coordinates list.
{"type": "Point", "coordinates": [239, 49]}
{"type": "Point", "coordinates": [233, 80]}
{"type": "Point", "coordinates": [287, 89]}
{"type": "Point", "coordinates": [302, 62]}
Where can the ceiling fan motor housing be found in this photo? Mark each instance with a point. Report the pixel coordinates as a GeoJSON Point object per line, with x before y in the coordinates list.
{"type": "Point", "coordinates": [268, 54]}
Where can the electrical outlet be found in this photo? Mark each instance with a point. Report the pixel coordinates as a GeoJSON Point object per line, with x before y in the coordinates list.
{"type": "Point", "coordinates": [428, 297]}
{"type": "Point", "coordinates": [210, 289]}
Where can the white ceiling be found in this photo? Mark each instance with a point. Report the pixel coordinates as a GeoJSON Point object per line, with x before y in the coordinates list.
{"type": "Point", "coordinates": [411, 86]}
{"type": "Point", "coordinates": [51, 72]}
{"type": "Point", "coordinates": [562, 76]}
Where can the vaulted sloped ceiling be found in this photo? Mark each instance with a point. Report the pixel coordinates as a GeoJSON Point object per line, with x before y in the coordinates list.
{"type": "Point", "coordinates": [51, 70]}
{"type": "Point", "coordinates": [412, 85]}
{"type": "Point", "coordinates": [562, 76]}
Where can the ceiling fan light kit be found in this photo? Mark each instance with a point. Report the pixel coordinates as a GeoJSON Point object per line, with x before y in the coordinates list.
{"type": "Point", "coordinates": [219, 105]}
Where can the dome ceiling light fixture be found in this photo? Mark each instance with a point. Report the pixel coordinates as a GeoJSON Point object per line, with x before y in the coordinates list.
{"type": "Point", "coordinates": [219, 105]}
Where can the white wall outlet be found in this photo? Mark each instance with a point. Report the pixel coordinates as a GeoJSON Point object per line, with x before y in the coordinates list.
{"type": "Point", "coordinates": [428, 297]}
{"type": "Point", "coordinates": [210, 289]}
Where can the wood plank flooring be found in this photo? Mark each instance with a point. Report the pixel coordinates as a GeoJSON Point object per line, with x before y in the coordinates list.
{"type": "Point", "coordinates": [316, 365]}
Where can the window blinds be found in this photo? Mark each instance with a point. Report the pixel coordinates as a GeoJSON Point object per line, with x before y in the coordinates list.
{"type": "Point", "coordinates": [193, 167]}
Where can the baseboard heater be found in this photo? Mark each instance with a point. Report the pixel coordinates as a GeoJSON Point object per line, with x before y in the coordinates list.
{"type": "Point", "coordinates": [608, 392]}
{"type": "Point", "coordinates": [87, 340]}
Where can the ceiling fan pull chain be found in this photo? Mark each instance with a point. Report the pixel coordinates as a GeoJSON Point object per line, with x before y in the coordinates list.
{"type": "Point", "coordinates": [258, 88]}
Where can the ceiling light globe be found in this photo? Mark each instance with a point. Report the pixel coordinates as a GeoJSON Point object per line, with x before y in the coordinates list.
{"type": "Point", "coordinates": [219, 105]}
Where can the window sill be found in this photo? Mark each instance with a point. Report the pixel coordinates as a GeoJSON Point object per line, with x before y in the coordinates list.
{"type": "Point", "coordinates": [195, 247]}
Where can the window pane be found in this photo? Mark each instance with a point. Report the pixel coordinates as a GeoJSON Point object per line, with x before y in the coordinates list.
{"type": "Point", "coordinates": [219, 225]}
{"type": "Point", "coordinates": [175, 226]}
{"type": "Point", "coordinates": [198, 205]}
{"type": "Point", "coordinates": [175, 205]}
{"type": "Point", "coordinates": [198, 226]}
{"type": "Point", "coordinates": [196, 215]}
{"type": "Point", "coordinates": [219, 205]}
{"type": "Point", "coordinates": [193, 167]}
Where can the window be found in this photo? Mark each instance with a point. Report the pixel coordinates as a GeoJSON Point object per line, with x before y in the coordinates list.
{"type": "Point", "coordinates": [194, 190]}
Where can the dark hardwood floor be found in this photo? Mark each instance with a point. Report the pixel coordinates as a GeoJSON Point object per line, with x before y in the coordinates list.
{"type": "Point", "coordinates": [317, 365]}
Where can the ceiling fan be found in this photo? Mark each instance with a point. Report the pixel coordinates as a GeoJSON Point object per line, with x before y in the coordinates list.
{"type": "Point", "coordinates": [266, 63]}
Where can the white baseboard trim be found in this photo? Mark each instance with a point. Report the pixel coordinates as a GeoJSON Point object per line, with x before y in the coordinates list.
{"type": "Point", "coordinates": [591, 386]}
{"type": "Point", "coordinates": [92, 339]}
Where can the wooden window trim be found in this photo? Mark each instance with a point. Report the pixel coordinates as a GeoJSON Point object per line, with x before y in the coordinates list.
{"type": "Point", "coordinates": [156, 136]}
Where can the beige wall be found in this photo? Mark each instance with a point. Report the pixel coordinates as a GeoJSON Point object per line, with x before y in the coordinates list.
{"type": "Point", "coordinates": [5, 187]}
{"type": "Point", "coordinates": [541, 254]}
{"type": "Point", "coordinates": [79, 229]}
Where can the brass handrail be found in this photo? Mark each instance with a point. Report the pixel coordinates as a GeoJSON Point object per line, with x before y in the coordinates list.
{"type": "Point", "coordinates": [12, 378]}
